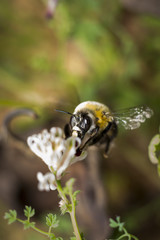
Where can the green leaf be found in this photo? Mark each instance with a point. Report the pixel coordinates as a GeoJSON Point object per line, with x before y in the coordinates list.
{"type": "Point", "coordinates": [117, 224]}
{"type": "Point", "coordinates": [154, 151]}
{"type": "Point", "coordinates": [29, 212]}
{"type": "Point", "coordinates": [118, 219]}
{"type": "Point", "coordinates": [51, 220]}
{"type": "Point", "coordinates": [11, 216]}
{"type": "Point", "coordinates": [121, 226]}
{"type": "Point", "coordinates": [52, 236]}
{"type": "Point", "coordinates": [28, 224]}
{"type": "Point", "coordinates": [113, 223]}
{"type": "Point", "coordinates": [75, 194]}
{"type": "Point", "coordinates": [69, 184]}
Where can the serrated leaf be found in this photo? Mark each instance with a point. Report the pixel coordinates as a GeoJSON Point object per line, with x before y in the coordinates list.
{"type": "Point", "coordinates": [11, 216]}
{"type": "Point", "coordinates": [118, 219]}
{"type": "Point", "coordinates": [113, 223]}
{"type": "Point", "coordinates": [51, 220]}
{"type": "Point", "coordinates": [75, 194]}
{"type": "Point", "coordinates": [28, 224]}
{"type": "Point", "coordinates": [29, 212]}
{"type": "Point", "coordinates": [69, 184]}
{"type": "Point", "coordinates": [121, 225]}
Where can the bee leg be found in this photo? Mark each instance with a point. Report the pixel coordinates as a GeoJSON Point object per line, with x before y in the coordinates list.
{"type": "Point", "coordinates": [110, 136]}
{"type": "Point", "coordinates": [97, 137]}
{"type": "Point", "coordinates": [92, 140]}
{"type": "Point", "coordinates": [114, 131]}
{"type": "Point", "coordinates": [67, 131]}
{"type": "Point", "coordinates": [107, 142]}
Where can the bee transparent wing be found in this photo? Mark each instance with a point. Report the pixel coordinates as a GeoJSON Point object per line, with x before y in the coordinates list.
{"type": "Point", "coordinates": [133, 117]}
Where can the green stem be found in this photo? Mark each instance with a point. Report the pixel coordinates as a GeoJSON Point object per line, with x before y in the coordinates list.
{"type": "Point", "coordinates": [126, 234]}
{"type": "Point", "coordinates": [49, 231]}
{"type": "Point", "coordinates": [134, 237]}
{"type": "Point", "coordinates": [60, 191]}
{"type": "Point", "coordinates": [34, 228]}
{"type": "Point", "coordinates": [40, 231]}
{"type": "Point", "coordinates": [122, 236]}
{"type": "Point", "coordinates": [71, 211]}
{"type": "Point", "coordinates": [73, 218]}
{"type": "Point", "coordinates": [75, 224]}
{"type": "Point", "coordinates": [130, 236]}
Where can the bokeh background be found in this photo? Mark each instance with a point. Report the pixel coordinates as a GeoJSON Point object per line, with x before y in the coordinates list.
{"type": "Point", "coordinates": [107, 51]}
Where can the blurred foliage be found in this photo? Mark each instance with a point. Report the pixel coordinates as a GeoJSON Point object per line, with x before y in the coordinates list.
{"type": "Point", "coordinates": [90, 50]}
{"type": "Point", "coordinates": [88, 45]}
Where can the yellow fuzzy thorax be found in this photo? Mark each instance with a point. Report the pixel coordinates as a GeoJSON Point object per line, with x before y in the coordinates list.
{"type": "Point", "coordinates": [99, 110]}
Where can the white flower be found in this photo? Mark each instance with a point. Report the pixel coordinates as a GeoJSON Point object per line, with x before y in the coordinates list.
{"type": "Point", "coordinates": [62, 205]}
{"type": "Point", "coordinates": [46, 181]}
{"type": "Point", "coordinates": [57, 152]}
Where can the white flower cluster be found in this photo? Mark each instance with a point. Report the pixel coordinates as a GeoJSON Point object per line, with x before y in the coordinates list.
{"type": "Point", "coordinates": [57, 152]}
{"type": "Point", "coordinates": [46, 181]}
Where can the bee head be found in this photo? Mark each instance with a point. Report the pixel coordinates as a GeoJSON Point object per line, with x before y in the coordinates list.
{"type": "Point", "coordinates": [80, 124]}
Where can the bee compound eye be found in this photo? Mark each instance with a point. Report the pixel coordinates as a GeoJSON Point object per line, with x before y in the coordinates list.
{"type": "Point", "coordinates": [73, 121]}
{"type": "Point", "coordinates": [86, 123]}
{"type": "Point", "coordinates": [83, 124]}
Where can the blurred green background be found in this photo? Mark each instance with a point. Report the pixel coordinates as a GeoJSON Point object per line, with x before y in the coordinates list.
{"type": "Point", "coordinates": [90, 50]}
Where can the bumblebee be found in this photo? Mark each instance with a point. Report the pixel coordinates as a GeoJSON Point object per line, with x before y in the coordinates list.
{"type": "Point", "coordinates": [94, 123]}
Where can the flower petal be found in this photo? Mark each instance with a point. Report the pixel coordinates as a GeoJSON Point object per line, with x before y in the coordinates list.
{"type": "Point", "coordinates": [57, 152]}
{"type": "Point", "coordinates": [46, 181]}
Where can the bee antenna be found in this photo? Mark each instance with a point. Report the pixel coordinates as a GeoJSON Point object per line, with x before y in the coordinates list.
{"type": "Point", "coordinates": [62, 111]}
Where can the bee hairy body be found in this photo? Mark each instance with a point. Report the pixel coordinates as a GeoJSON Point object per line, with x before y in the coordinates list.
{"type": "Point", "coordinates": [101, 112]}
{"type": "Point", "coordinates": [93, 122]}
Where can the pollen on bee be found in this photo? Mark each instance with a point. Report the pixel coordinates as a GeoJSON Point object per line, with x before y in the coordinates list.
{"type": "Point", "coordinates": [74, 134]}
